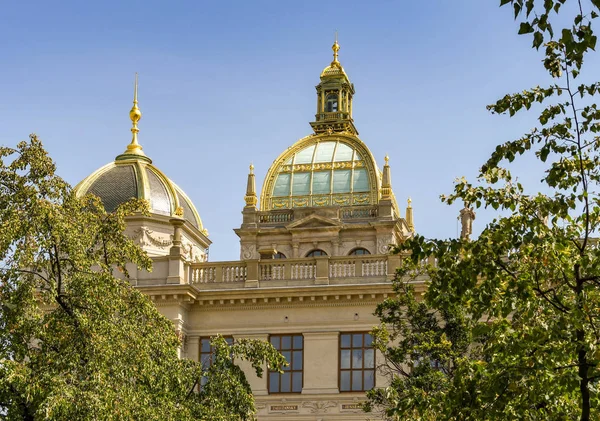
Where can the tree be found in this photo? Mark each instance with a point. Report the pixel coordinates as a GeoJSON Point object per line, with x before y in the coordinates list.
{"type": "Point", "coordinates": [77, 342]}
{"type": "Point", "coordinates": [527, 290]}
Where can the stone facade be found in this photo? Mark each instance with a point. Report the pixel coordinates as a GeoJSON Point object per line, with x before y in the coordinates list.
{"type": "Point", "coordinates": [313, 265]}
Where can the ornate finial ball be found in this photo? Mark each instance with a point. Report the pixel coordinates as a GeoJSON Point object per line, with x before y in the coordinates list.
{"type": "Point", "coordinates": [409, 200]}
{"type": "Point", "coordinates": [335, 47]}
{"type": "Point", "coordinates": [387, 159]}
{"type": "Point", "coordinates": [251, 167]}
{"type": "Point", "coordinates": [135, 114]}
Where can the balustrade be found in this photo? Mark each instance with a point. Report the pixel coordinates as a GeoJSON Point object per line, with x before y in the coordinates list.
{"type": "Point", "coordinates": [356, 267]}
{"type": "Point", "coordinates": [359, 212]}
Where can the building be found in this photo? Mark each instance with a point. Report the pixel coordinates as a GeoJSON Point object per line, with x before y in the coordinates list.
{"type": "Point", "coordinates": [313, 262]}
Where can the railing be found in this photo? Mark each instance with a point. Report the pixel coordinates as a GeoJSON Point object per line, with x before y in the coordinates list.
{"type": "Point", "coordinates": [203, 273]}
{"type": "Point", "coordinates": [275, 217]}
{"type": "Point", "coordinates": [359, 267]}
{"type": "Point", "coordinates": [359, 212]}
{"type": "Point", "coordinates": [319, 269]}
{"type": "Point", "coordinates": [332, 116]}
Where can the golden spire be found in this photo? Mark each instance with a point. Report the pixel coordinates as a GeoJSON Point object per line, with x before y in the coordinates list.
{"type": "Point", "coordinates": [409, 216]}
{"type": "Point", "coordinates": [335, 47]}
{"type": "Point", "coordinates": [250, 197]}
{"type": "Point", "coordinates": [134, 148]}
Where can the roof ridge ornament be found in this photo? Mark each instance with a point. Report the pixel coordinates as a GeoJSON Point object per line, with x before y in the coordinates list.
{"type": "Point", "coordinates": [134, 148]}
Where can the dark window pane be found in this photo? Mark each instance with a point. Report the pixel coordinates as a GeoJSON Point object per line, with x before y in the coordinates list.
{"type": "Point", "coordinates": [298, 342]}
{"type": "Point", "coordinates": [274, 382]}
{"type": "Point", "coordinates": [357, 358]}
{"type": "Point", "coordinates": [345, 358]}
{"type": "Point", "coordinates": [369, 379]}
{"type": "Point", "coordinates": [205, 345]}
{"type": "Point", "coordinates": [368, 340]}
{"type": "Point", "coordinates": [297, 360]}
{"type": "Point", "coordinates": [286, 382]}
{"type": "Point", "coordinates": [229, 341]}
{"type": "Point", "coordinates": [297, 382]}
{"type": "Point", "coordinates": [369, 358]}
{"type": "Point", "coordinates": [357, 380]}
{"type": "Point", "coordinates": [286, 342]}
{"type": "Point", "coordinates": [205, 361]}
{"type": "Point", "coordinates": [345, 381]}
{"type": "Point", "coordinates": [275, 342]}
{"type": "Point", "coordinates": [345, 341]}
{"type": "Point", "coordinates": [357, 340]}
{"type": "Point", "coordinates": [288, 357]}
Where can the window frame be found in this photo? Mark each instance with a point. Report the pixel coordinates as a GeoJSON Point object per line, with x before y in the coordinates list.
{"type": "Point", "coordinates": [352, 370]}
{"type": "Point", "coordinates": [291, 367]}
{"type": "Point", "coordinates": [321, 253]}
{"type": "Point", "coordinates": [279, 255]}
{"type": "Point", "coordinates": [354, 250]}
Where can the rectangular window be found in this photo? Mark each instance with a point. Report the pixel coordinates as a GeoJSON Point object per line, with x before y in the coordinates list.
{"type": "Point", "coordinates": [321, 182]}
{"type": "Point", "coordinates": [207, 351]}
{"type": "Point", "coordinates": [341, 181]}
{"type": "Point", "coordinates": [291, 380]}
{"type": "Point", "coordinates": [361, 180]}
{"type": "Point", "coordinates": [301, 184]}
{"type": "Point", "coordinates": [357, 362]}
{"type": "Point", "coordinates": [282, 185]}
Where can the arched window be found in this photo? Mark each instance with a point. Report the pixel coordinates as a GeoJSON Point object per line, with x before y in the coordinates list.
{"type": "Point", "coordinates": [279, 255]}
{"type": "Point", "coordinates": [316, 252]}
{"type": "Point", "coordinates": [331, 104]}
{"type": "Point", "coordinates": [359, 252]}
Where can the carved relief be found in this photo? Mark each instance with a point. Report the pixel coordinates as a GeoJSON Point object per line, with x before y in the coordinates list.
{"type": "Point", "coordinates": [319, 406]}
{"type": "Point", "coordinates": [144, 237]}
{"type": "Point", "coordinates": [249, 252]}
{"type": "Point", "coordinates": [383, 244]}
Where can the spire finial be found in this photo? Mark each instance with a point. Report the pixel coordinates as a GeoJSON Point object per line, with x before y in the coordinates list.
{"type": "Point", "coordinates": [409, 216]}
{"type": "Point", "coordinates": [335, 47]}
{"type": "Point", "coordinates": [134, 148]}
{"type": "Point", "coordinates": [387, 159]}
{"type": "Point", "coordinates": [250, 197]}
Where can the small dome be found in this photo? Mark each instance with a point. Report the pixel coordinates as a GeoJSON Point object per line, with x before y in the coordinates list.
{"type": "Point", "coordinates": [135, 177]}
{"type": "Point", "coordinates": [333, 70]}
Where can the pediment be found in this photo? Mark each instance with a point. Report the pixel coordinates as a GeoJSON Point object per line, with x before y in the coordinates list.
{"type": "Point", "coordinates": [314, 222]}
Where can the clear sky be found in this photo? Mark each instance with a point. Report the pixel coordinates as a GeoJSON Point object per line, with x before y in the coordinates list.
{"type": "Point", "coordinates": [225, 83]}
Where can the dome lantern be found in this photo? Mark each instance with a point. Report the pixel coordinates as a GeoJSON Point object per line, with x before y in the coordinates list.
{"type": "Point", "coordinates": [334, 99]}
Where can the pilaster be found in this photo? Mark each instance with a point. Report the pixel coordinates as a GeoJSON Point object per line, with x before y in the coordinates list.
{"type": "Point", "coordinates": [321, 373]}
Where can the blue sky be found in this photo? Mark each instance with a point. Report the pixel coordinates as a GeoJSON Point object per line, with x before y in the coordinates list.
{"type": "Point", "coordinates": [226, 83]}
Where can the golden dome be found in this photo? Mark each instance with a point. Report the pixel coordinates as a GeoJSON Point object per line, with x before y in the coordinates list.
{"type": "Point", "coordinates": [125, 179]}
{"type": "Point", "coordinates": [322, 170]}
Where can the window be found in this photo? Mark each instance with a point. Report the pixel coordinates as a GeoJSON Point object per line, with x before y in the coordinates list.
{"type": "Point", "coordinates": [316, 252]}
{"type": "Point", "coordinates": [359, 252]}
{"type": "Point", "coordinates": [357, 362]}
{"type": "Point", "coordinates": [207, 351]}
{"type": "Point", "coordinates": [331, 105]}
{"type": "Point", "coordinates": [279, 255]}
{"type": "Point", "coordinates": [292, 348]}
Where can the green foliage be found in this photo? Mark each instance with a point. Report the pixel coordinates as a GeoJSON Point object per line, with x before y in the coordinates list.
{"type": "Point", "coordinates": [77, 342]}
{"type": "Point", "coordinates": [526, 292]}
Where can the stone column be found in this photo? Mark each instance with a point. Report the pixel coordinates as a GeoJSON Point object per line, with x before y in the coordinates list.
{"type": "Point", "coordinates": [321, 355]}
{"type": "Point", "coordinates": [176, 260]}
{"type": "Point", "coordinates": [193, 348]}
{"type": "Point", "coordinates": [258, 385]}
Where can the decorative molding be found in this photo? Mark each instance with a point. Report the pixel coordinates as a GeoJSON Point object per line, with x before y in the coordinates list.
{"type": "Point", "coordinates": [145, 237]}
